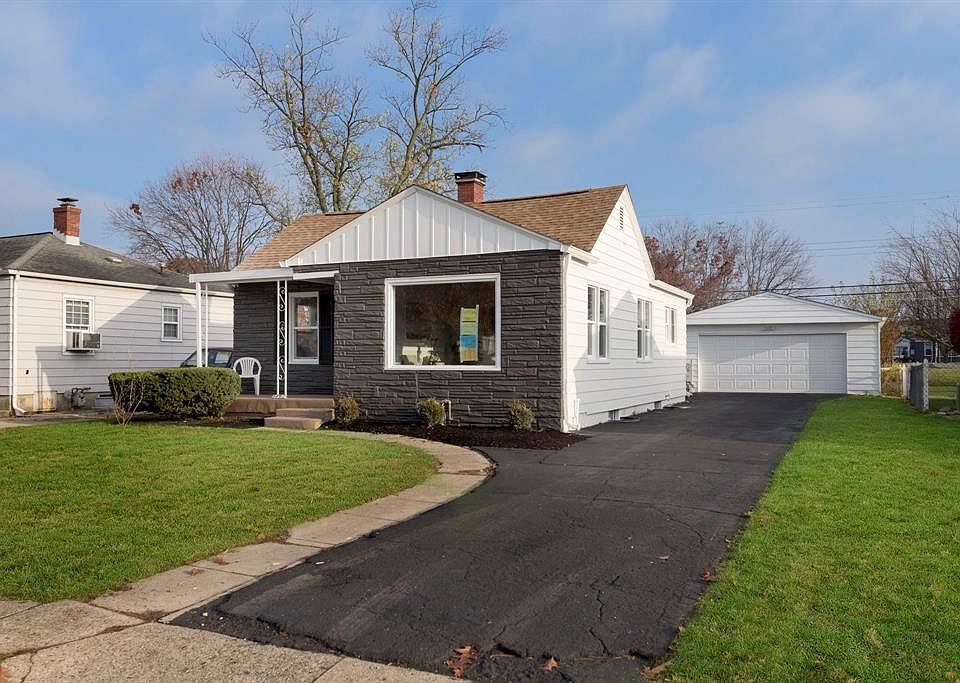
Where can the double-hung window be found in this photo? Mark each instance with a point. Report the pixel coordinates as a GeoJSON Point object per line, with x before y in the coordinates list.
{"type": "Point", "coordinates": [670, 325]}
{"type": "Point", "coordinates": [443, 322]}
{"type": "Point", "coordinates": [598, 342]}
{"type": "Point", "coordinates": [77, 320]}
{"type": "Point", "coordinates": [170, 323]}
{"type": "Point", "coordinates": [305, 322]}
{"type": "Point", "coordinates": [644, 322]}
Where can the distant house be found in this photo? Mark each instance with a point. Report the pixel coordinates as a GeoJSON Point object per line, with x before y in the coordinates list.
{"type": "Point", "coordinates": [916, 349]}
{"type": "Point", "coordinates": [72, 313]}
{"type": "Point", "coordinates": [548, 299]}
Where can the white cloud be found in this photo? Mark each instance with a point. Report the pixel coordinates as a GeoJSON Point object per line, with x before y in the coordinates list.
{"type": "Point", "coordinates": [531, 161]}
{"type": "Point", "coordinates": [40, 76]}
{"type": "Point", "coordinates": [29, 196]}
{"type": "Point", "coordinates": [812, 133]}
{"type": "Point", "coordinates": [675, 76]}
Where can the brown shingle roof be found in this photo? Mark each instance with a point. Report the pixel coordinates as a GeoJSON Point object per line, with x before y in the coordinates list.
{"type": "Point", "coordinates": [295, 238]}
{"type": "Point", "coordinates": [574, 218]}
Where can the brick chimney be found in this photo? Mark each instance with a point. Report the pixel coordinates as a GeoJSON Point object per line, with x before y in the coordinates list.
{"type": "Point", "coordinates": [470, 186]}
{"type": "Point", "coordinates": [66, 220]}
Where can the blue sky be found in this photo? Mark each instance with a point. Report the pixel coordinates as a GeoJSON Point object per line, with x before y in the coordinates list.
{"type": "Point", "coordinates": [834, 120]}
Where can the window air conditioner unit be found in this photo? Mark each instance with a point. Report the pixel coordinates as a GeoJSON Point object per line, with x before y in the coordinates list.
{"type": "Point", "coordinates": [83, 341]}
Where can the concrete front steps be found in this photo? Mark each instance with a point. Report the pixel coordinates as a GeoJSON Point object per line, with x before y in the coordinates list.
{"type": "Point", "coordinates": [299, 418]}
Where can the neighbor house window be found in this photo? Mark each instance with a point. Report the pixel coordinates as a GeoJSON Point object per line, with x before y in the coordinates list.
{"type": "Point", "coordinates": [170, 323]}
{"type": "Point", "coordinates": [305, 321]}
{"type": "Point", "coordinates": [77, 320]}
{"type": "Point", "coordinates": [671, 325]}
{"type": "Point", "coordinates": [597, 335]}
{"type": "Point", "coordinates": [644, 322]}
{"type": "Point", "coordinates": [443, 322]}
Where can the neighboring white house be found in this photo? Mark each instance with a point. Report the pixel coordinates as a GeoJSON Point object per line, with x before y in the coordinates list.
{"type": "Point", "coordinates": [548, 299]}
{"type": "Point", "coordinates": [72, 313]}
{"type": "Point", "coordinates": [776, 343]}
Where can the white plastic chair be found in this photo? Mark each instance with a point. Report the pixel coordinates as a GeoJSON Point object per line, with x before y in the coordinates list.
{"type": "Point", "coordinates": [249, 369]}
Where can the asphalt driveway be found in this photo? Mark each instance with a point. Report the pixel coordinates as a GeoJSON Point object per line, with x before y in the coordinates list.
{"type": "Point", "coordinates": [592, 555]}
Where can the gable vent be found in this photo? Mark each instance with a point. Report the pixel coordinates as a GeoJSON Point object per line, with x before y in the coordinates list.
{"type": "Point", "coordinates": [621, 218]}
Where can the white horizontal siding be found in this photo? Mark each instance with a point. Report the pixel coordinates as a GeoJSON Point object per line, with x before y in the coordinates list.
{"type": "Point", "coordinates": [5, 284]}
{"type": "Point", "coordinates": [622, 382]}
{"type": "Point", "coordinates": [863, 351]}
{"type": "Point", "coordinates": [128, 321]}
{"type": "Point", "coordinates": [419, 224]}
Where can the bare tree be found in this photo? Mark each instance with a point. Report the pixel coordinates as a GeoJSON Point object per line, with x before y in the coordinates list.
{"type": "Point", "coordinates": [878, 299]}
{"type": "Point", "coordinates": [319, 122]}
{"type": "Point", "coordinates": [701, 259]}
{"type": "Point", "coordinates": [926, 264]}
{"type": "Point", "coordinates": [206, 215]}
{"type": "Point", "coordinates": [773, 260]}
{"type": "Point", "coordinates": [429, 121]}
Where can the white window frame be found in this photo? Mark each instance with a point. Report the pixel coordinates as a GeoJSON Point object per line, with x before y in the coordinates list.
{"type": "Point", "coordinates": [164, 322]}
{"type": "Point", "coordinates": [644, 329]}
{"type": "Point", "coordinates": [292, 356]}
{"type": "Point", "coordinates": [389, 320]}
{"type": "Point", "coordinates": [598, 322]}
{"type": "Point", "coordinates": [670, 325]}
{"type": "Point", "coordinates": [90, 329]}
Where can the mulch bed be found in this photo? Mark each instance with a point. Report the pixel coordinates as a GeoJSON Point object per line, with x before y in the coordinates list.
{"type": "Point", "coordinates": [471, 437]}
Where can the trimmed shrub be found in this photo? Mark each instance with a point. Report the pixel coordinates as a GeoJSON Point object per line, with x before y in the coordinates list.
{"type": "Point", "coordinates": [181, 392]}
{"type": "Point", "coordinates": [520, 416]}
{"type": "Point", "coordinates": [346, 410]}
{"type": "Point", "coordinates": [432, 412]}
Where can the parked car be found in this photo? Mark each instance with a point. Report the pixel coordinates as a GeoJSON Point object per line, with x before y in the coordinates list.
{"type": "Point", "coordinates": [216, 358]}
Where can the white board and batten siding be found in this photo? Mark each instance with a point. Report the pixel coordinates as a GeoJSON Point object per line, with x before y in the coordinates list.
{"type": "Point", "coordinates": [775, 343]}
{"type": "Point", "coordinates": [598, 390]}
{"type": "Point", "coordinates": [418, 223]}
{"type": "Point", "coordinates": [128, 320]}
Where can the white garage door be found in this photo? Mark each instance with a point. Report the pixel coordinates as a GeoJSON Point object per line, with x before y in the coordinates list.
{"type": "Point", "coordinates": [810, 363]}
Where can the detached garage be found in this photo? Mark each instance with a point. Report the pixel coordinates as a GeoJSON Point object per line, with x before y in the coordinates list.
{"type": "Point", "coordinates": [772, 343]}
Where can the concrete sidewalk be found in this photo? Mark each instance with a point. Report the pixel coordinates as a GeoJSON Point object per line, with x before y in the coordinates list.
{"type": "Point", "coordinates": [125, 635]}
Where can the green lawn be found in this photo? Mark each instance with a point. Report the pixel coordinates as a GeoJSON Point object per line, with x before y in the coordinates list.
{"type": "Point", "coordinates": [943, 388]}
{"type": "Point", "coordinates": [849, 568]}
{"type": "Point", "coordinates": [86, 507]}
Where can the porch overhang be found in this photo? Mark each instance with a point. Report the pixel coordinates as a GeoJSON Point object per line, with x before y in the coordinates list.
{"type": "Point", "coordinates": [260, 275]}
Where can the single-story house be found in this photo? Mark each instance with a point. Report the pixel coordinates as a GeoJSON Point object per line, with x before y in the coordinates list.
{"type": "Point", "coordinates": [912, 348]}
{"type": "Point", "coordinates": [777, 343]}
{"type": "Point", "coordinates": [551, 300]}
{"type": "Point", "coordinates": [72, 313]}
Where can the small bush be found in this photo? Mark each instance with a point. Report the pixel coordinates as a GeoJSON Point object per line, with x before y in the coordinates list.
{"type": "Point", "coordinates": [432, 412]}
{"type": "Point", "coordinates": [181, 392]}
{"type": "Point", "coordinates": [347, 410]}
{"type": "Point", "coordinates": [520, 416]}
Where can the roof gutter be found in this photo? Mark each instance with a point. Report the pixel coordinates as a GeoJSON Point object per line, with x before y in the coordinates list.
{"type": "Point", "coordinates": [236, 276]}
{"type": "Point", "coordinates": [106, 283]}
{"type": "Point", "coordinates": [670, 289]}
{"type": "Point", "coordinates": [578, 254]}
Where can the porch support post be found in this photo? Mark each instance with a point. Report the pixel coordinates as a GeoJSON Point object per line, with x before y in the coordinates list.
{"type": "Point", "coordinates": [200, 358]}
{"type": "Point", "coordinates": [206, 322]}
{"type": "Point", "coordinates": [281, 339]}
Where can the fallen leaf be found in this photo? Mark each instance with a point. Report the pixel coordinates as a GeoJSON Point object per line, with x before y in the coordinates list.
{"type": "Point", "coordinates": [707, 576]}
{"type": "Point", "coordinates": [664, 557]}
{"type": "Point", "coordinates": [466, 656]}
{"type": "Point", "coordinates": [3, 675]}
{"type": "Point", "coordinates": [194, 571]}
{"type": "Point", "coordinates": [220, 559]}
{"type": "Point", "coordinates": [550, 665]}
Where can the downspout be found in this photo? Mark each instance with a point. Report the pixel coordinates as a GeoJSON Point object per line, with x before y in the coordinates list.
{"type": "Point", "coordinates": [567, 422]}
{"type": "Point", "coordinates": [200, 357]}
{"type": "Point", "coordinates": [14, 408]}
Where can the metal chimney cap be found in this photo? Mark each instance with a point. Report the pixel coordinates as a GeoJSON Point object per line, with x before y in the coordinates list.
{"type": "Point", "coordinates": [67, 201]}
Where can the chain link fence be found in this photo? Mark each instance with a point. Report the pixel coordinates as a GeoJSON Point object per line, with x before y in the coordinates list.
{"type": "Point", "coordinates": [931, 386]}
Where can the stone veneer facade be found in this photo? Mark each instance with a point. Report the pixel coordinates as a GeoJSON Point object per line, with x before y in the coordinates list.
{"type": "Point", "coordinates": [530, 347]}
